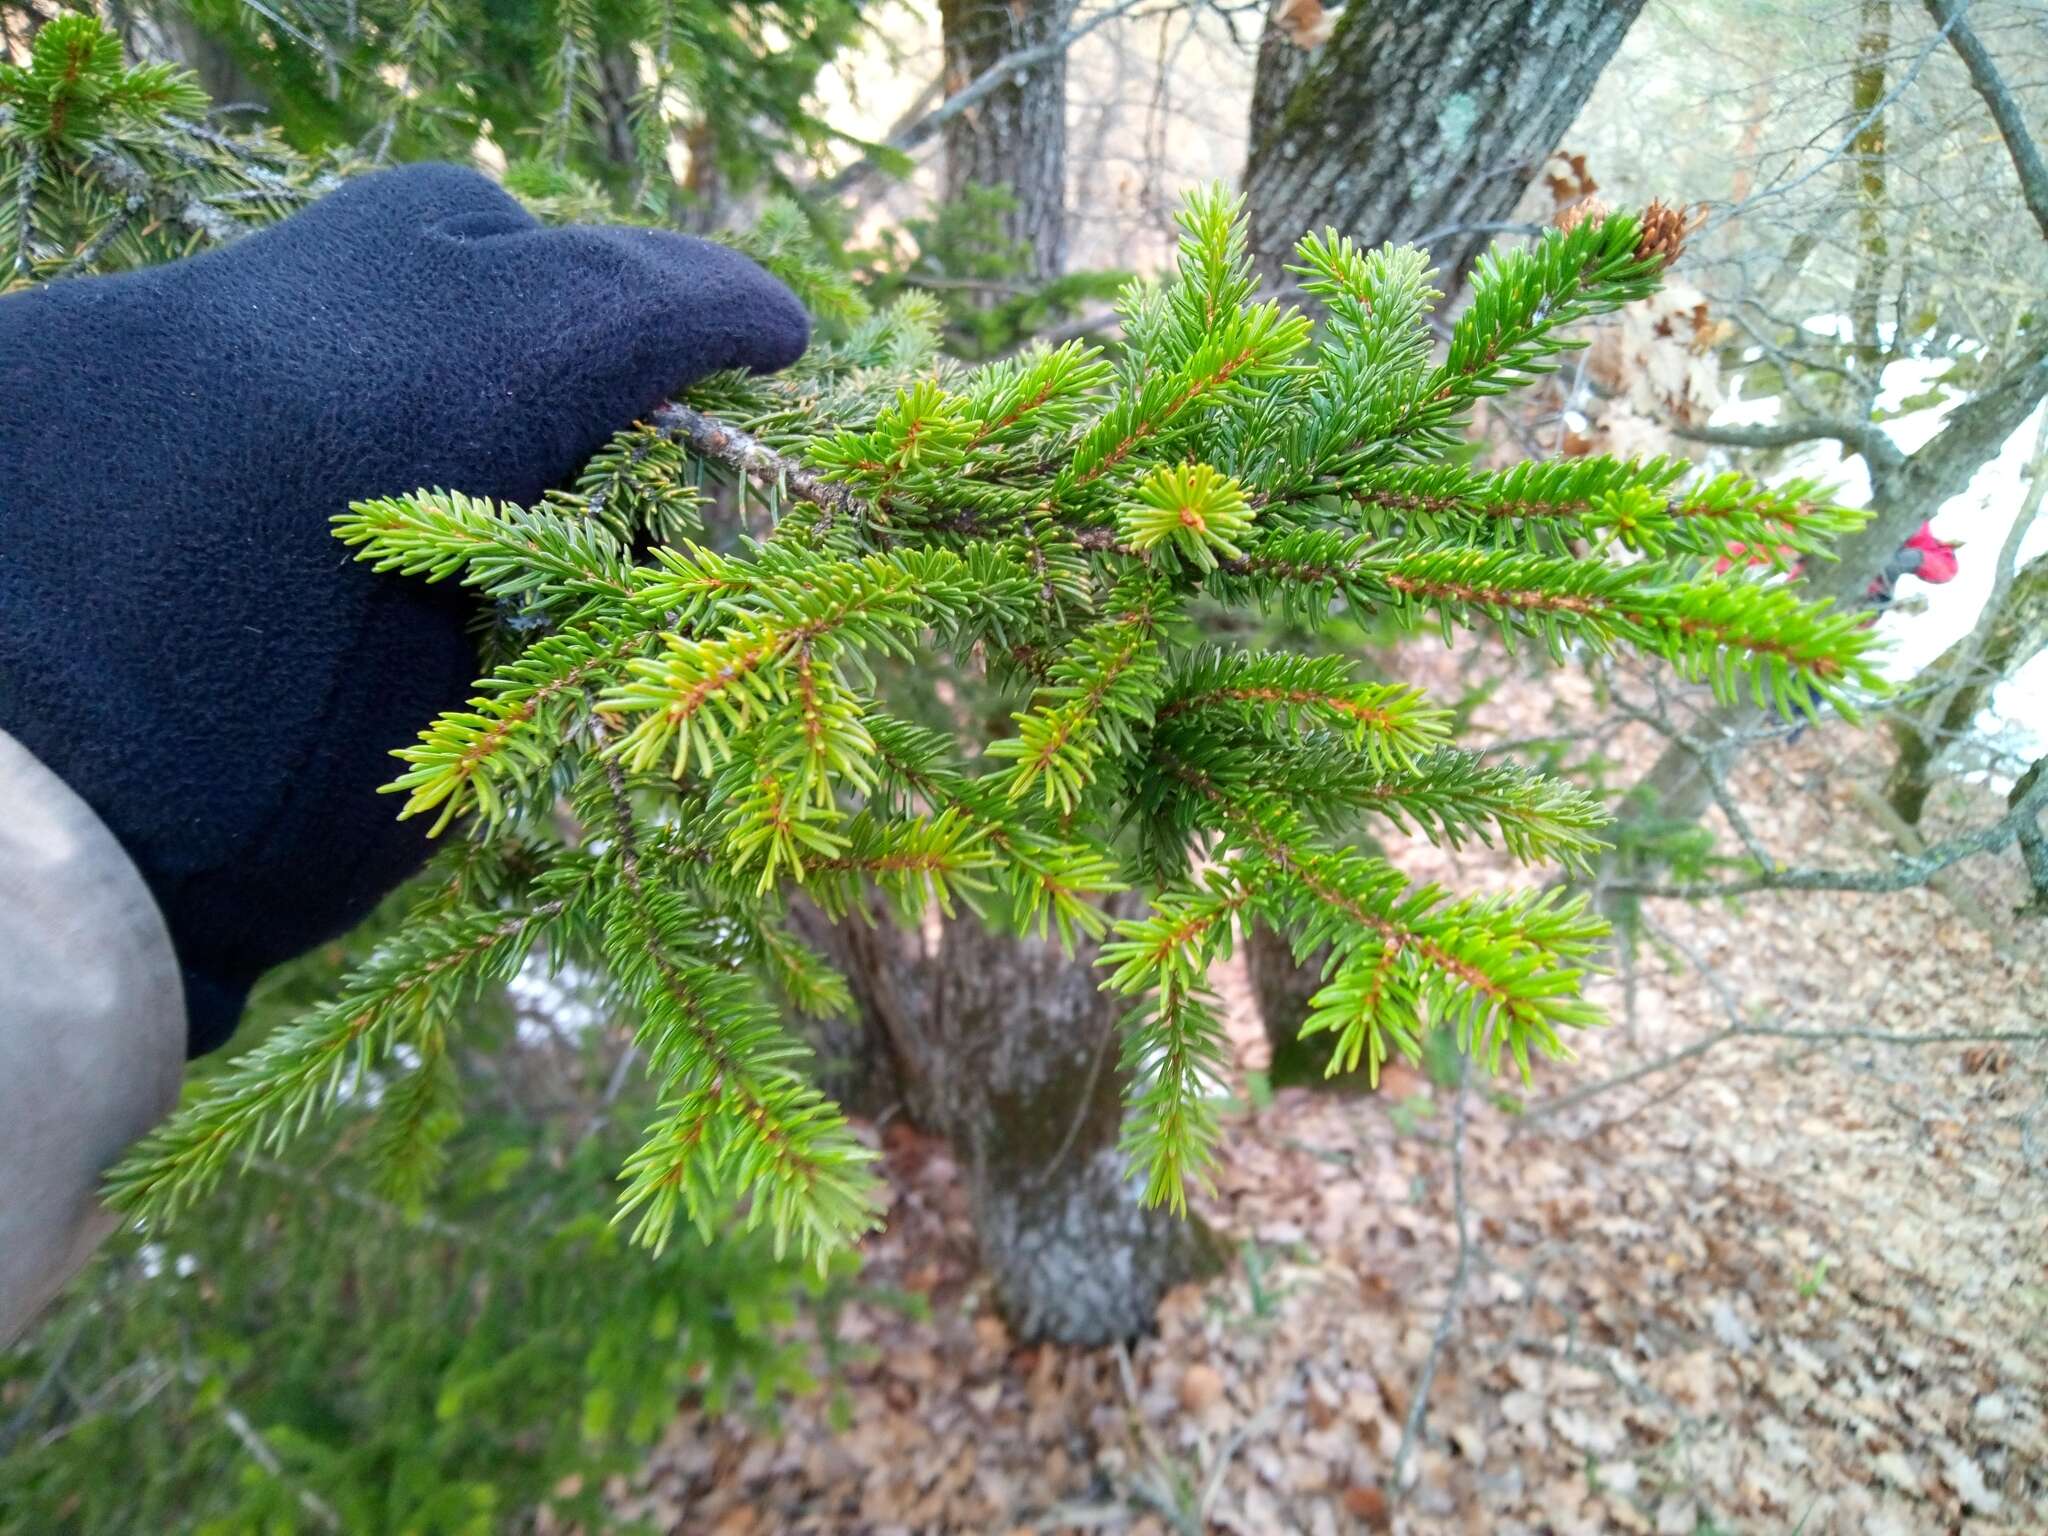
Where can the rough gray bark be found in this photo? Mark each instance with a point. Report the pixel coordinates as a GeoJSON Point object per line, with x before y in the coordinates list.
{"type": "Point", "coordinates": [2033, 841]}
{"type": "Point", "coordinates": [856, 1058]}
{"type": "Point", "coordinates": [1418, 118]}
{"type": "Point", "coordinates": [1020, 1051]}
{"type": "Point", "coordinates": [1008, 1049]}
{"type": "Point", "coordinates": [1014, 138]}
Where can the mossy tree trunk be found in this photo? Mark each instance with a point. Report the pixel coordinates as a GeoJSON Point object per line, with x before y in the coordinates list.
{"type": "Point", "coordinates": [1008, 1048]}
{"type": "Point", "coordinates": [1416, 117]}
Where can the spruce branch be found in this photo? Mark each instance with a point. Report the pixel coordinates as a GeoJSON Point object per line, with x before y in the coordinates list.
{"type": "Point", "coordinates": [408, 990]}
{"type": "Point", "coordinates": [740, 1120]}
{"type": "Point", "coordinates": [680, 740]}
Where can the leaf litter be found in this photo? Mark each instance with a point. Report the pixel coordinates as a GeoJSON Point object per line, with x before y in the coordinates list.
{"type": "Point", "coordinates": [1784, 1285]}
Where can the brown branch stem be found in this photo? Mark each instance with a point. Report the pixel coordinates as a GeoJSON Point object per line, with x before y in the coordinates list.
{"type": "Point", "coordinates": [745, 454]}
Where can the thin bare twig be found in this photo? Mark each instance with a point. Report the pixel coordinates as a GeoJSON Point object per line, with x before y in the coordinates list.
{"type": "Point", "coordinates": [347, 1194]}
{"type": "Point", "coordinates": [1447, 1320]}
{"type": "Point", "coordinates": [1903, 873]}
{"type": "Point", "coordinates": [261, 1451]}
{"type": "Point", "coordinates": [1706, 1043]}
{"type": "Point", "coordinates": [971, 94]}
{"type": "Point", "coordinates": [2005, 110]}
{"type": "Point", "coordinates": [266, 1457]}
{"type": "Point", "coordinates": [52, 1374]}
{"type": "Point", "coordinates": [122, 174]}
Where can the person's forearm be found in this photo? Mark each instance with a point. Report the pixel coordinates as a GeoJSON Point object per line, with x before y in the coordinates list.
{"type": "Point", "coordinates": [92, 1028]}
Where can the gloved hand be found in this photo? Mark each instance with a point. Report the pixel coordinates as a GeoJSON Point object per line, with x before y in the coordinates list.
{"type": "Point", "coordinates": [181, 639]}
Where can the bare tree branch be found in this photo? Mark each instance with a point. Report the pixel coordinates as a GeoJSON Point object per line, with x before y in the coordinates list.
{"type": "Point", "coordinates": [747, 455]}
{"type": "Point", "coordinates": [2005, 111]}
{"type": "Point", "coordinates": [1907, 488]}
{"type": "Point", "coordinates": [2012, 628]}
{"type": "Point", "coordinates": [979, 88]}
{"type": "Point", "coordinates": [1722, 1036]}
{"type": "Point", "coordinates": [1740, 1028]}
{"type": "Point", "coordinates": [1781, 189]}
{"type": "Point", "coordinates": [1866, 437]}
{"type": "Point", "coordinates": [1975, 431]}
{"type": "Point", "coordinates": [1902, 875]}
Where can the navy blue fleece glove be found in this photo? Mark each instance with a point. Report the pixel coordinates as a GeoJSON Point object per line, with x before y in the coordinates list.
{"type": "Point", "coordinates": [181, 638]}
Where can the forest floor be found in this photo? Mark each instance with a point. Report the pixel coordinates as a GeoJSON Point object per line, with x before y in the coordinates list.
{"type": "Point", "coordinates": [1785, 1284]}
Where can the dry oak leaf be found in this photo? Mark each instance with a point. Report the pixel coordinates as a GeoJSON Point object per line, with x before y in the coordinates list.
{"type": "Point", "coordinates": [1306, 23]}
{"type": "Point", "coordinates": [1201, 1388]}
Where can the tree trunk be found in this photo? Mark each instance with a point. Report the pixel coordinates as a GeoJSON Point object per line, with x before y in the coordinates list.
{"type": "Point", "coordinates": [222, 78]}
{"type": "Point", "coordinates": [1008, 1048]}
{"type": "Point", "coordinates": [1016, 137]}
{"type": "Point", "coordinates": [857, 1061]}
{"type": "Point", "coordinates": [1868, 185]}
{"type": "Point", "coordinates": [2033, 843]}
{"type": "Point", "coordinates": [1282, 987]}
{"type": "Point", "coordinates": [1022, 1043]}
{"type": "Point", "coordinates": [2011, 633]}
{"type": "Point", "coordinates": [1416, 118]}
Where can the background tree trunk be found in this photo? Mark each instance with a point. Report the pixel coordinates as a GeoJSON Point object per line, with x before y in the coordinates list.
{"type": "Point", "coordinates": [884, 964]}
{"type": "Point", "coordinates": [1015, 138]}
{"type": "Point", "coordinates": [1417, 117]}
{"type": "Point", "coordinates": [1034, 1102]}
{"type": "Point", "coordinates": [1008, 1048]}
{"type": "Point", "coordinates": [1282, 987]}
{"type": "Point", "coordinates": [2009, 635]}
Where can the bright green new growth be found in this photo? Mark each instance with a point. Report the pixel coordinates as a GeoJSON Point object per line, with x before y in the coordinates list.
{"type": "Point", "coordinates": [678, 743]}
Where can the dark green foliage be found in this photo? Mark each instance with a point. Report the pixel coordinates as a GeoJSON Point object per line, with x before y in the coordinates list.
{"type": "Point", "coordinates": [442, 1370]}
{"type": "Point", "coordinates": [104, 166]}
{"type": "Point", "coordinates": [551, 80]}
{"type": "Point", "coordinates": [961, 255]}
